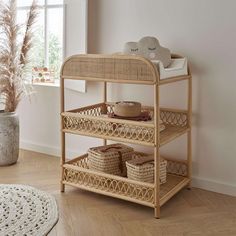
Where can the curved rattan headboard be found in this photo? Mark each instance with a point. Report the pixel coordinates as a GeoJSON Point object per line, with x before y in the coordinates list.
{"type": "Point", "coordinates": [113, 68]}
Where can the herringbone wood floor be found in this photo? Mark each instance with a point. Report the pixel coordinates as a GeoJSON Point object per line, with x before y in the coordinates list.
{"type": "Point", "coordinates": [196, 212]}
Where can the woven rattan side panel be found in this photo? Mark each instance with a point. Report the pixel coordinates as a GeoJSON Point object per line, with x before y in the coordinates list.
{"type": "Point", "coordinates": [109, 129]}
{"type": "Point", "coordinates": [109, 68]}
{"type": "Point", "coordinates": [109, 185]}
{"type": "Point", "coordinates": [174, 118]}
{"type": "Point", "coordinates": [177, 168]}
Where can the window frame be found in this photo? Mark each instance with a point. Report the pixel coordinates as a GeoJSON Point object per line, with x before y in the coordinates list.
{"type": "Point", "coordinates": [45, 7]}
{"type": "Point", "coordinates": [69, 48]}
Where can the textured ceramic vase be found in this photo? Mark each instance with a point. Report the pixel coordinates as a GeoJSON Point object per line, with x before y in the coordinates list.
{"type": "Point", "coordinates": [9, 138]}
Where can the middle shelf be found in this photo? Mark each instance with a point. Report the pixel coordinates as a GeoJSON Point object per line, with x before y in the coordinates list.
{"type": "Point", "coordinates": [94, 121]}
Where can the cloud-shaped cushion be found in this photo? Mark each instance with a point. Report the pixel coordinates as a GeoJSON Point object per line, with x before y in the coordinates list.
{"type": "Point", "coordinates": [150, 48]}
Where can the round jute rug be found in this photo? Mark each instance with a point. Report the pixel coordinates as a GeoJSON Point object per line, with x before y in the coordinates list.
{"type": "Point", "coordinates": [25, 210]}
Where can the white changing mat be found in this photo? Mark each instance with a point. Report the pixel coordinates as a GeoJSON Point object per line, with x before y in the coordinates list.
{"type": "Point", "coordinates": [178, 66]}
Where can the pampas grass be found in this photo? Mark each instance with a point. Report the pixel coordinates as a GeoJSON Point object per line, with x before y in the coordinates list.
{"type": "Point", "coordinates": [14, 56]}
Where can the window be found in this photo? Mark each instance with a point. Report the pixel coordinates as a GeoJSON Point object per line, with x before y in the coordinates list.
{"type": "Point", "coordinates": [48, 50]}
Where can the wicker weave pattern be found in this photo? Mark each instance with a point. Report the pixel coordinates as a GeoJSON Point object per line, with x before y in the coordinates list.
{"type": "Point", "coordinates": [110, 158]}
{"type": "Point", "coordinates": [110, 129]}
{"type": "Point", "coordinates": [177, 168]}
{"type": "Point", "coordinates": [117, 185]}
{"type": "Point", "coordinates": [110, 68]}
{"type": "Point", "coordinates": [145, 172]}
{"type": "Point", "coordinates": [92, 121]}
{"type": "Point", "coordinates": [179, 119]}
{"type": "Point", "coordinates": [112, 185]}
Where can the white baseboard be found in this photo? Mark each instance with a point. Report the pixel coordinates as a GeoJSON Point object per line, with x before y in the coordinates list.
{"type": "Point", "coordinates": [197, 182]}
{"type": "Point", "coordinates": [49, 150]}
{"type": "Point", "coordinates": [214, 186]}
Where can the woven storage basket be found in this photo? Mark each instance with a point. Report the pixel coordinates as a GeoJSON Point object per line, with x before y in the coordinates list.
{"type": "Point", "coordinates": [127, 109]}
{"type": "Point", "coordinates": [142, 169]}
{"type": "Point", "coordinates": [110, 159]}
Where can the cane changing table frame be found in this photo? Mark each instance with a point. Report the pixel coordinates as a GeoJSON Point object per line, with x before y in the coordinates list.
{"type": "Point", "coordinates": [92, 121]}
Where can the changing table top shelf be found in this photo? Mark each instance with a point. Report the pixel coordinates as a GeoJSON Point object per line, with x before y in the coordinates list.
{"type": "Point", "coordinates": [115, 68]}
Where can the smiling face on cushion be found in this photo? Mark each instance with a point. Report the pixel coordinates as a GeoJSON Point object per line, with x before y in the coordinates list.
{"type": "Point", "coordinates": [150, 48]}
{"type": "Point", "coordinates": [131, 48]}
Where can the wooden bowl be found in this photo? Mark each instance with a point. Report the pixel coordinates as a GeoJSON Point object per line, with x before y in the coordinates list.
{"type": "Point", "coordinates": [127, 109]}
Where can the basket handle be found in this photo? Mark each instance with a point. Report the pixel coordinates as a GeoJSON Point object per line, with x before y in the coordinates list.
{"type": "Point", "coordinates": [144, 162]}
{"type": "Point", "coordinates": [106, 149]}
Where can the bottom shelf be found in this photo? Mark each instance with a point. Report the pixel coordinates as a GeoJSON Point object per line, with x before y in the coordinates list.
{"type": "Point", "coordinates": [76, 173]}
{"type": "Point", "coordinates": [173, 185]}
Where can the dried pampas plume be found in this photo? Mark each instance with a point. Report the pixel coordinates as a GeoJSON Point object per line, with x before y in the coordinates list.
{"type": "Point", "coordinates": [14, 57]}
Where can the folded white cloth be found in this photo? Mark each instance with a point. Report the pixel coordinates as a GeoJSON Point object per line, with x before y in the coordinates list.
{"type": "Point", "coordinates": [177, 67]}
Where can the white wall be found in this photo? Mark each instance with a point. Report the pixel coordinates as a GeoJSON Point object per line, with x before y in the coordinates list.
{"type": "Point", "coordinates": [205, 32]}
{"type": "Point", "coordinates": [40, 117]}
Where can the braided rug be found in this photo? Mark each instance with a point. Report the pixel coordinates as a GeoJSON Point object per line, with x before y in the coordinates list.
{"type": "Point", "coordinates": [25, 211]}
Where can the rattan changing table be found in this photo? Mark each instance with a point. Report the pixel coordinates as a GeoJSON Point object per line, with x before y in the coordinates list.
{"type": "Point", "coordinates": [90, 121]}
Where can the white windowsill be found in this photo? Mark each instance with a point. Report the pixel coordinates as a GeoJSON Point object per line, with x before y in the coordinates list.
{"type": "Point", "coordinates": [56, 84]}
{"type": "Point", "coordinates": [78, 86]}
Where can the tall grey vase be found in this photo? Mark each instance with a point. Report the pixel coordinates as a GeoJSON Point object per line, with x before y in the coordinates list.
{"type": "Point", "coordinates": [9, 138]}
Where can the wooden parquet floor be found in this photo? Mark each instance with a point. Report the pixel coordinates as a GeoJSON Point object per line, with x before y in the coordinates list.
{"type": "Point", "coordinates": [196, 212]}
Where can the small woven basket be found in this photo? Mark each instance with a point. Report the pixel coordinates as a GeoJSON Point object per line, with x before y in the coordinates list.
{"type": "Point", "coordinates": [127, 109]}
{"type": "Point", "coordinates": [110, 159]}
{"type": "Point", "coordinates": [142, 169]}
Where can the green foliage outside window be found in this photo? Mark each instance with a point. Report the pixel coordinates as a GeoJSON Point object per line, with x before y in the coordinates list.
{"type": "Point", "coordinates": [54, 52]}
